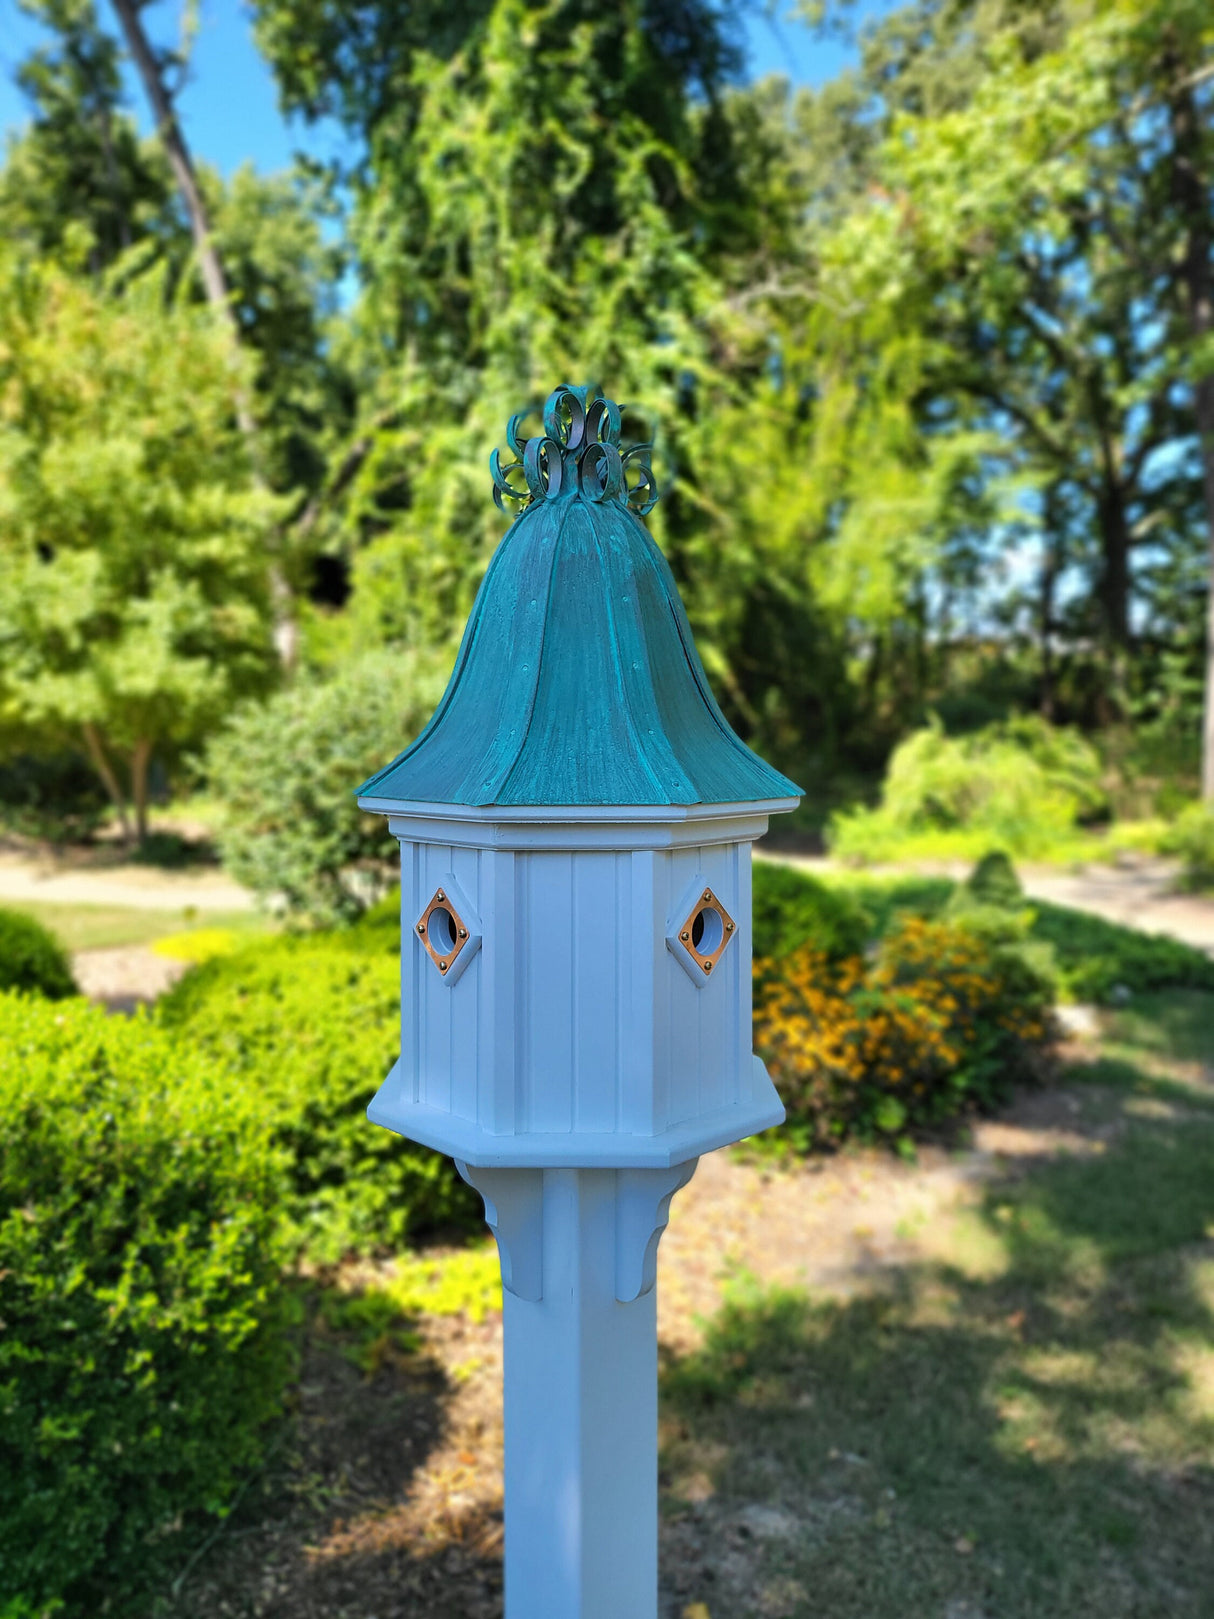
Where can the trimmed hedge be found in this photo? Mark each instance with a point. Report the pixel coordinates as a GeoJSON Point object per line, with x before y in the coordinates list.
{"type": "Point", "coordinates": [31, 958]}
{"type": "Point", "coordinates": [311, 1025]}
{"type": "Point", "coordinates": [142, 1315]}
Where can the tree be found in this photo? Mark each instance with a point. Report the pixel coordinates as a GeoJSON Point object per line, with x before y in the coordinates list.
{"type": "Point", "coordinates": [1029, 190]}
{"type": "Point", "coordinates": [81, 162]}
{"type": "Point", "coordinates": [135, 603]}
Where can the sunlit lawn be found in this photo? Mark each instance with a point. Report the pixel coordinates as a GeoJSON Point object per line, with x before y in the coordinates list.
{"type": "Point", "coordinates": [1024, 1424]}
{"type": "Point", "coordinates": [100, 927]}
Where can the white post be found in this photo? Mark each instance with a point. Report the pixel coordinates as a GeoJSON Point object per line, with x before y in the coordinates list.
{"type": "Point", "coordinates": [579, 1263]}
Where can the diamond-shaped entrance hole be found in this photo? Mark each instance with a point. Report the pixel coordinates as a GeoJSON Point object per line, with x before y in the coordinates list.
{"type": "Point", "coordinates": [707, 931]}
{"type": "Point", "coordinates": [441, 929]}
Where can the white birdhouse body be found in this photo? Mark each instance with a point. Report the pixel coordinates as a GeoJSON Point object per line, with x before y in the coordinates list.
{"type": "Point", "coordinates": [598, 1009]}
{"type": "Point", "coordinates": [575, 826]}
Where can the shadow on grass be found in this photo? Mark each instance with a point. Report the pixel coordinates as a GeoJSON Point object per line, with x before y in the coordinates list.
{"type": "Point", "coordinates": [319, 1532]}
{"type": "Point", "coordinates": [1024, 1427]}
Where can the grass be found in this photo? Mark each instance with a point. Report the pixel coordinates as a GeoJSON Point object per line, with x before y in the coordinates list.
{"type": "Point", "coordinates": [1023, 1424]}
{"type": "Point", "coordinates": [101, 927]}
{"type": "Point", "coordinates": [881, 844]}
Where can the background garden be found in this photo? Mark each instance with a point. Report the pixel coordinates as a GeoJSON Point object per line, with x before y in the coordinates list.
{"type": "Point", "coordinates": [926, 351]}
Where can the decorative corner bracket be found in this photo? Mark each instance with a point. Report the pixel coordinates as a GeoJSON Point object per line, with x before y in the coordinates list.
{"type": "Point", "coordinates": [515, 1211]}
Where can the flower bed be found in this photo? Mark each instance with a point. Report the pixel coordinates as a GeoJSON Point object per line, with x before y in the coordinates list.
{"type": "Point", "coordinates": [934, 1023]}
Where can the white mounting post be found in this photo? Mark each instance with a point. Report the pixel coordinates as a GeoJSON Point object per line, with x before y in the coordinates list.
{"type": "Point", "coordinates": [579, 1266]}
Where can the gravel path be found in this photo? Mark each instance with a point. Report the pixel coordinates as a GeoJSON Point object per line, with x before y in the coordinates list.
{"type": "Point", "coordinates": [144, 888]}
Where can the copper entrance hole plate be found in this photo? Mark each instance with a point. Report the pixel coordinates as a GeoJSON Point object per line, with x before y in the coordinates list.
{"type": "Point", "coordinates": [442, 930]}
{"type": "Point", "coordinates": [707, 931]}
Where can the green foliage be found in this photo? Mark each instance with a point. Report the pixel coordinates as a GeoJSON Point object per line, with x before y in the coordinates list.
{"type": "Point", "coordinates": [790, 909]}
{"type": "Point", "coordinates": [133, 540]}
{"type": "Point", "coordinates": [144, 1348]}
{"type": "Point", "coordinates": [1100, 961]}
{"type": "Point", "coordinates": [311, 1026]}
{"type": "Point", "coordinates": [1088, 958]}
{"type": "Point", "coordinates": [286, 773]}
{"type": "Point", "coordinates": [1192, 838]}
{"type": "Point", "coordinates": [51, 795]}
{"type": "Point", "coordinates": [1018, 783]}
{"type": "Point", "coordinates": [32, 959]}
{"type": "Point", "coordinates": [993, 881]}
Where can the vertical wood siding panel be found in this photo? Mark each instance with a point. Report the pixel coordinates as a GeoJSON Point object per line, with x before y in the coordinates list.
{"type": "Point", "coordinates": [718, 997]}
{"type": "Point", "coordinates": [410, 971]}
{"type": "Point", "coordinates": [744, 1035]}
{"type": "Point", "coordinates": [681, 995]}
{"type": "Point", "coordinates": [639, 928]}
{"type": "Point", "coordinates": [436, 1034]}
{"type": "Point", "coordinates": [498, 965]}
{"type": "Point", "coordinates": [549, 999]}
{"type": "Point", "coordinates": [465, 996]}
{"type": "Point", "coordinates": [595, 990]}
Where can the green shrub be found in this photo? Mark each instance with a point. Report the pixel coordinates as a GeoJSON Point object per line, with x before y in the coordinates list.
{"type": "Point", "coordinates": [143, 1345]}
{"type": "Point", "coordinates": [31, 958]}
{"type": "Point", "coordinates": [1192, 838]}
{"type": "Point", "coordinates": [790, 908]}
{"type": "Point", "coordinates": [1098, 959]}
{"type": "Point", "coordinates": [286, 772]}
{"type": "Point", "coordinates": [312, 1026]}
{"type": "Point", "coordinates": [1020, 784]}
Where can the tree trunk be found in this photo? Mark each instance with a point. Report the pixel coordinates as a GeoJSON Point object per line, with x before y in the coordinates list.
{"type": "Point", "coordinates": [1191, 191]}
{"type": "Point", "coordinates": [1050, 569]}
{"type": "Point", "coordinates": [139, 786]}
{"type": "Point", "coordinates": [104, 769]}
{"type": "Point", "coordinates": [169, 131]}
{"type": "Point", "coordinates": [1114, 599]}
{"type": "Point", "coordinates": [210, 263]}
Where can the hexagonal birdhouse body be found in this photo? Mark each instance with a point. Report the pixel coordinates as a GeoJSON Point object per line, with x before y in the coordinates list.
{"type": "Point", "coordinates": [575, 827]}
{"type": "Point", "coordinates": [575, 987]}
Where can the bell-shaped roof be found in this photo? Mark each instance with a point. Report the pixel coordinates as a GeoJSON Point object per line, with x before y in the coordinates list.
{"type": "Point", "coordinates": [577, 680]}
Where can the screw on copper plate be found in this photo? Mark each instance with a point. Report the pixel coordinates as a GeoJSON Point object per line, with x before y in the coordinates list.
{"type": "Point", "coordinates": [708, 966]}
{"type": "Point", "coordinates": [684, 935]}
{"type": "Point", "coordinates": [443, 965]}
{"type": "Point", "coordinates": [421, 927]}
{"type": "Point", "coordinates": [463, 932]}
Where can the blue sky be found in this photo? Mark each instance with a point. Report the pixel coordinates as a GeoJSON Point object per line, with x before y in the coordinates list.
{"type": "Point", "coordinates": [229, 110]}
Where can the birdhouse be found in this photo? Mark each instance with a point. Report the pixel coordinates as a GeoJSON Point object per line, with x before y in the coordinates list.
{"type": "Point", "coordinates": [575, 826]}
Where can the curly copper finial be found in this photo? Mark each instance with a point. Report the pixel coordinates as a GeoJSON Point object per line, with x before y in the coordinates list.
{"type": "Point", "coordinates": [577, 454]}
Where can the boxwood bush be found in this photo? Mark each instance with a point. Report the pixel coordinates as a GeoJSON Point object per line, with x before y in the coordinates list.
{"type": "Point", "coordinates": [311, 1025]}
{"type": "Point", "coordinates": [142, 1314]}
{"type": "Point", "coordinates": [31, 958]}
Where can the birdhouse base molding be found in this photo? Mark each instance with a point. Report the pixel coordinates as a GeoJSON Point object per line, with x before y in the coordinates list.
{"type": "Point", "coordinates": [579, 1262]}
{"type": "Point", "coordinates": [468, 1143]}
